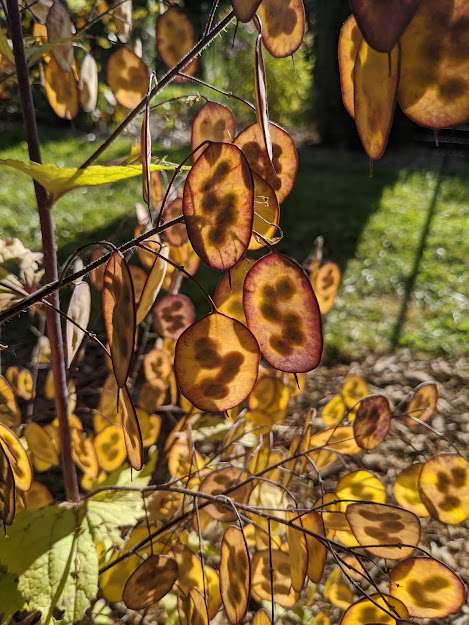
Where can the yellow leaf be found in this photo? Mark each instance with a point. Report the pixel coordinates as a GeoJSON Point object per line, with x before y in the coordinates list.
{"type": "Point", "coordinates": [61, 180]}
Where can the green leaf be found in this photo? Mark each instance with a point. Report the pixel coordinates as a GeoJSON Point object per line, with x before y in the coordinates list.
{"type": "Point", "coordinates": [60, 180]}
{"type": "Point", "coordinates": [51, 552]}
{"type": "Point", "coordinates": [11, 599]}
{"type": "Point", "coordinates": [5, 49]}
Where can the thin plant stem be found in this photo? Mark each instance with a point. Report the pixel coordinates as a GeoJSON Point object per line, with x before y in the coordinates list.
{"type": "Point", "coordinates": [54, 328]}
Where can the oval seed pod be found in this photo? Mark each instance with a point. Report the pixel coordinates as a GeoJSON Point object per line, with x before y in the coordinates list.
{"type": "Point", "coordinates": [283, 26]}
{"type": "Point", "coordinates": [18, 458]}
{"type": "Point", "coordinates": [118, 304]}
{"type": "Point", "coordinates": [350, 40]}
{"type": "Point", "coordinates": [261, 588]}
{"type": "Point", "coordinates": [283, 314]}
{"type": "Point", "coordinates": [382, 23]}
{"type": "Point", "coordinates": [373, 420]}
{"type": "Point", "coordinates": [262, 109]}
{"type": "Point", "coordinates": [427, 587]}
{"type": "Point", "coordinates": [298, 552]}
{"type": "Point", "coordinates": [175, 36]}
{"type": "Point", "coordinates": [172, 314]}
{"type": "Point", "coordinates": [150, 582]}
{"type": "Point", "coordinates": [326, 283]}
{"type": "Point", "coordinates": [216, 363]}
{"type": "Point", "coordinates": [7, 490]}
{"type": "Point", "coordinates": [423, 403]}
{"type": "Point", "coordinates": [281, 172]}
{"type": "Point", "coordinates": [223, 481]}
{"type": "Point", "coordinates": [88, 84]}
{"type": "Point", "coordinates": [110, 447]}
{"type": "Point", "coordinates": [79, 309]}
{"type": "Point", "coordinates": [131, 429]}
{"type": "Point", "coordinates": [61, 90]}
{"type": "Point", "coordinates": [434, 82]}
{"type": "Point", "coordinates": [60, 28]}
{"type": "Point", "coordinates": [375, 81]}
{"type": "Point", "coordinates": [385, 525]}
{"type": "Point", "coordinates": [245, 9]}
{"type": "Point", "coordinates": [235, 574]}
{"type": "Point", "coordinates": [218, 205]}
{"type": "Point", "coordinates": [229, 292]}
{"type": "Point", "coordinates": [213, 122]}
{"type": "Point", "coordinates": [9, 410]}
{"type": "Point", "coordinates": [317, 553]}
{"type": "Point", "coordinates": [127, 76]}
{"type": "Point", "coordinates": [366, 611]}
{"type": "Point", "coordinates": [266, 213]}
{"type": "Point", "coordinates": [406, 490]}
{"type": "Point", "coordinates": [153, 284]}
{"type": "Point", "coordinates": [444, 487]}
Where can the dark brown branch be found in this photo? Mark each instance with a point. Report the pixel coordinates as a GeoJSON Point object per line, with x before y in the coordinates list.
{"type": "Point", "coordinates": [54, 328]}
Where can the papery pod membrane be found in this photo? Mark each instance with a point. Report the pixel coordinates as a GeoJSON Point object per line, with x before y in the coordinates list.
{"type": "Point", "coordinates": [177, 234]}
{"type": "Point", "coordinates": [326, 284]}
{"type": "Point", "coordinates": [112, 581]}
{"type": "Point", "coordinates": [223, 481]}
{"type": "Point", "coordinates": [262, 107]}
{"type": "Point", "coordinates": [152, 396]}
{"type": "Point", "coordinates": [150, 427]}
{"type": "Point", "coordinates": [283, 25]}
{"type": "Point", "coordinates": [213, 122]}
{"type": "Point", "coordinates": [9, 411]}
{"type": "Point", "coordinates": [38, 496]}
{"type": "Point", "coordinates": [150, 582]}
{"type": "Point", "coordinates": [157, 365]}
{"type": "Point", "coordinates": [218, 205]}
{"type": "Point", "coordinates": [22, 382]}
{"type": "Point", "coordinates": [110, 448]}
{"type": "Point", "coordinates": [283, 314]}
{"type": "Point", "coordinates": [427, 587]}
{"type": "Point", "coordinates": [40, 9]}
{"type": "Point", "coordinates": [384, 525]}
{"type": "Point", "coordinates": [197, 613]}
{"type": "Point", "coordinates": [350, 40]}
{"type": "Point", "coordinates": [235, 574]}
{"type": "Point", "coordinates": [190, 573]}
{"type": "Point", "coordinates": [229, 292]}
{"type": "Point", "coordinates": [131, 429]}
{"type": "Point", "coordinates": [406, 490]}
{"type": "Point", "coordinates": [337, 590]}
{"type": "Point", "coordinates": [97, 275]}
{"type": "Point", "coordinates": [317, 553]}
{"type": "Point", "coordinates": [266, 214]}
{"type": "Point", "coordinates": [118, 304]}
{"type": "Point", "coordinates": [281, 172]}
{"type": "Point", "coordinates": [60, 28]}
{"type": "Point", "coordinates": [360, 485]}
{"type": "Point", "coordinates": [172, 314]}
{"type": "Point", "coordinates": [377, 611]}
{"type": "Point", "coordinates": [270, 396]}
{"type": "Point", "coordinates": [84, 453]}
{"type": "Point", "coordinates": [261, 618]}
{"type": "Point", "coordinates": [139, 277]}
{"type": "Point", "coordinates": [375, 77]}
{"type": "Point", "coordinates": [88, 84]}
{"type": "Point", "coordinates": [297, 552]}
{"type": "Point", "coordinates": [127, 76]}
{"type": "Point", "coordinates": [444, 488]}
{"type": "Point", "coordinates": [333, 412]}
{"type": "Point", "coordinates": [353, 390]}
{"type": "Point", "coordinates": [79, 309]}
{"type": "Point", "coordinates": [434, 83]}
{"type": "Point", "coordinates": [261, 589]}
{"type": "Point", "coordinates": [175, 36]}
{"type": "Point", "coordinates": [19, 460]}
{"type": "Point", "coordinates": [245, 9]}
{"type": "Point", "coordinates": [372, 421]}
{"type": "Point", "coordinates": [338, 440]}
{"type": "Point", "coordinates": [61, 90]}
{"type": "Point", "coordinates": [122, 16]}
{"type": "Point", "coordinates": [7, 490]}
{"type": "Point", "coordinates": [41, 447]}
{"type": "Point", "coordinates": [153, 284]}
{"type": "Point", "coordinates": [216, 362]}
{"type": "Point", "coordinates": [383, 23]}
{"type": "Point", "coordinates": [423, 403]}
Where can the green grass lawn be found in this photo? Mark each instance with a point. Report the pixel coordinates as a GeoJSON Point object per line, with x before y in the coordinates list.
{"type": "Point", "coordinates": [372, 227]}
